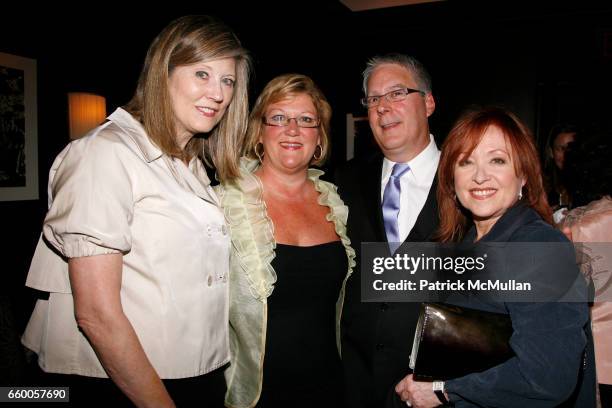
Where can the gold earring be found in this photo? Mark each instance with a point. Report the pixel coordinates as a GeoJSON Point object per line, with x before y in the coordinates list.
{"type": "Point", "coordinates": [314, 156]}
{"type": "Point", "coordinates": [259, 155]}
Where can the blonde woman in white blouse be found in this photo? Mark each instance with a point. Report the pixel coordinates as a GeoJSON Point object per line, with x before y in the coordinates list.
{"type": "Point", "coordinates": [134, 252]}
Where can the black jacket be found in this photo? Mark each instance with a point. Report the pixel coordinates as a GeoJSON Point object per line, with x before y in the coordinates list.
{"type": "Point", "coordinates": [376, 337]}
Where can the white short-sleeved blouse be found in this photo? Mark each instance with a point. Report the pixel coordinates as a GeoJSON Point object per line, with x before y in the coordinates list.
{"type": "Point", "coordinates": [114, 191]}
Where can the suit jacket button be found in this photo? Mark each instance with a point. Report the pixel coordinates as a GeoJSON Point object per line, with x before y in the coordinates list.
{"type": "Point", "coordinates": [380, 346]}
{"type": "Point", "coordinates": [384, 306]}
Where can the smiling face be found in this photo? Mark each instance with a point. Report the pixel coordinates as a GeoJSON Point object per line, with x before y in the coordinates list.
{"type": "Point", "coordinates": [486, 182]}
{"type": "Point", "coordinates": [200, 94]}
{"type": "Point", "coordinates": [400, 128]}
{"type": "Point", "coordinates": [289, 149]}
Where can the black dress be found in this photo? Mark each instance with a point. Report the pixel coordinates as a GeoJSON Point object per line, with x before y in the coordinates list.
{"type": "Point", "coordinates": [301, 364]}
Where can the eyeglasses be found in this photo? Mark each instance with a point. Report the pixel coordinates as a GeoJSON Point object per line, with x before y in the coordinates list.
{"type": "Point", "coordinates": [395, 95]}
{"type": "Point", "coordinates": [280, 119]}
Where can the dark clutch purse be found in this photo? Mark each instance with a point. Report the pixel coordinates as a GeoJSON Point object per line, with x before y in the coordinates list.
{"type": "Point", "coordinates": [453, 341]}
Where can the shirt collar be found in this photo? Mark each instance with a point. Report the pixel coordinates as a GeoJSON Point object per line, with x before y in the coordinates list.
{"type": "Point", "coordinates": [134, 129]}
{"type": "Point", "coordinates": [421, 166]}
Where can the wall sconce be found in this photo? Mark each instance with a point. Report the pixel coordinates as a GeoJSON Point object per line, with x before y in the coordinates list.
{"type": "Point", "coordinates": [85, 112]}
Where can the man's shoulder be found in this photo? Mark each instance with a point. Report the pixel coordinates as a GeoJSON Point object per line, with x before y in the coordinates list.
{"type": "Point", "coordinates": [348, 166]}
{"type": "Point", "coordinates": [351, 168]}
{"type": "Point", "coordinates": [355, 178]}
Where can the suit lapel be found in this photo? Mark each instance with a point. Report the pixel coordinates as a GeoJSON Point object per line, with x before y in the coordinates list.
{"type": "Point", "coordinates": [371, 196]}
{"type": "Point", "coordinates": [427, 221]}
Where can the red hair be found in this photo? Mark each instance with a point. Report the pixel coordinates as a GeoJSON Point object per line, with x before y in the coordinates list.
{"type": "Point", "coordinates": [463, 139]}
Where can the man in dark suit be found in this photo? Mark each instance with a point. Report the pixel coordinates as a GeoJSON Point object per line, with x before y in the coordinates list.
{"type": "Point", "coordinates": [377, 337]}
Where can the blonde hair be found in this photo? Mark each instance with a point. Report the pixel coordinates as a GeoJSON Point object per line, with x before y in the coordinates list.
{"type": "Point", "coordinates": [280, 88]}
{"type": "Point", "coordinates": [188, 40]}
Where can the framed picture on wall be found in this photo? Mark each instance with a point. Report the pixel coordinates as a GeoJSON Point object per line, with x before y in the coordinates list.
{"type": "Point", "coordinates": [360, 142]}
{"type": "Point", "coordinates": [18, 129]}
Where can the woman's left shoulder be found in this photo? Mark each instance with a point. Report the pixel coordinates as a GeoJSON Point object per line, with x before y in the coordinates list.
{"type": "Point", "coordinates": [316, 176]}
{"type": "Point", "coordinates": [328, 185]}
{"type": "Point", "coordinates": [537, 230]}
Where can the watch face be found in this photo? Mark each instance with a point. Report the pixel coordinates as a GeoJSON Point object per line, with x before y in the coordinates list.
{"type": "Point", "coordinates": [438, 389]}
{"type": "Point", "coordinates": [438, 385]}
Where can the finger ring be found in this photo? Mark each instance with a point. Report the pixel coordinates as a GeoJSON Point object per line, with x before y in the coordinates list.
{"type": "Point", "coordinates": [408, 403]}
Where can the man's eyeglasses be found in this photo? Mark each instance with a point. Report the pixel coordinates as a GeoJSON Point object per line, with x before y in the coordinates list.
{"type": "Point", "coordinates": [395, 95]}
{"type": "Point", "coordinates": [280, 119]}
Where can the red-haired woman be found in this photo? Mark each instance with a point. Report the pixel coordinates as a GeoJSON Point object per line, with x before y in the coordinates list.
{"type": "Point", "coordinates": [490, 190]}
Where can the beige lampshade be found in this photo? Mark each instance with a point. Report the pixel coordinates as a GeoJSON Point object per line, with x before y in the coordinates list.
{"type": "Point", "coordinates": [85, 112]}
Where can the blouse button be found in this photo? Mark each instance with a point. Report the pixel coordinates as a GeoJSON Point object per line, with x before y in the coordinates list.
{"type": "Point", "coordinates": [209, 280]}
{"type": "Point", "coordinates": [224, 229]}
{"type": "Point", "coordinates": [209, 230]}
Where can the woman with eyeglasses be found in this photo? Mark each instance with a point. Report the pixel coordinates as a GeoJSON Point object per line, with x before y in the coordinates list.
{"type": "Point", "coordinates": [290, 255]}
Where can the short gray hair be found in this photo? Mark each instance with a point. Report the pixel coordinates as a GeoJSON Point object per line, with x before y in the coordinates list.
{"type": "Point", "coordinates": [421, 76]}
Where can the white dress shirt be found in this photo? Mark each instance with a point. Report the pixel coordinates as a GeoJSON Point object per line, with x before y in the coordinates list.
{"type": "Point", "coordinates": [415, 185]}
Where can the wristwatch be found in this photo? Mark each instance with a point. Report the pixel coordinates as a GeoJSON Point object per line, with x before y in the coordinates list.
{"type": "Point", "coordinates": [438, 389]}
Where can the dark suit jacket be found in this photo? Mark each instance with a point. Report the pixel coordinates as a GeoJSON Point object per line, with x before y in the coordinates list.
{"type": "Point", "coordinates": [376, 337]}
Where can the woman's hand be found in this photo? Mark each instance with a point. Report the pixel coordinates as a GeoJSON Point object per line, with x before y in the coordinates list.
{"type": "Point", "coordinates": [416, 393]}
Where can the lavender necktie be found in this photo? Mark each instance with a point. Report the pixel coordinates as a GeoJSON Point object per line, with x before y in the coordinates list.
{"type": "Point", "coordinates": [391, 205]}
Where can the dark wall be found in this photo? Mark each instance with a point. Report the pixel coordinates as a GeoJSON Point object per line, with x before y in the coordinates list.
{"type": "Point", "coordinates": [547, 65]}
{"type": "Point", "coordinates": [545, 62]}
